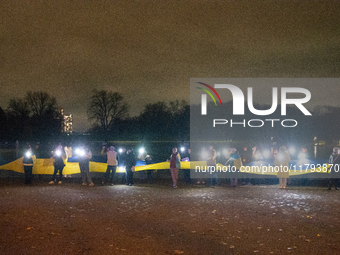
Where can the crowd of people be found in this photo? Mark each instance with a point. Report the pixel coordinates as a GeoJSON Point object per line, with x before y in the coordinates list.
{"type": "Point", "coordinates": [127, 159]}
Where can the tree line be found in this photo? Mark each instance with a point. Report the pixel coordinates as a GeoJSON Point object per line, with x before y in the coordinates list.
{"type": "Point", "coordinates": [108, 114]}
{"type": "Point", "coordinates": [37, 116]}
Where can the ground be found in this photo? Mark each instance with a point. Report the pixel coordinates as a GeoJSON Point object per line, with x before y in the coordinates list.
{"type": "Point", "coordinates": [157, 219]}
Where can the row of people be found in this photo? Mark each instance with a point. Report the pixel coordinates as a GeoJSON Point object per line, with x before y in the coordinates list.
{"type": "Point", "coordinates": [59, 155]}
{"type": "Point", "coordinates": [128, 159]}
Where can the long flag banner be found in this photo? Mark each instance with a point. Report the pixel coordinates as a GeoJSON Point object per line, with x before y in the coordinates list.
{"type": "Point", "coordinates": [45, 166]}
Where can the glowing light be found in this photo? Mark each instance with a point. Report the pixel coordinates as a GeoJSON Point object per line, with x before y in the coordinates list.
{"type": "Point", "coordinates": [302, 155]}
{"type": "Point", "coordinates": [120, 150]}
{"type": "Point", "coordinates": [266, 153]}
{"type": "Point", "coordinates": [280, 156]}
{"type": "Point", "coordinates": [258, 155]}
{"type": "Point", "coordinates": [204, 155]}
{"type": "Point", "coordinates": [80, 152]}
{"type": "Point", "coordinates": [182, 149]}
{"type": "Point", "coordinates": [58, 153]}
{"type": "Point", "coordinates": [291, 150]}
{"type": "Point", "coordinates": [141, 150]}
{"type": "Point", "coordinates": [28, 154]}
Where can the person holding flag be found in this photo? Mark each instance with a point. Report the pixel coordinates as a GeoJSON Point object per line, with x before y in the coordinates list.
{"type": "Point", "coordinates": [58, 157]}
{"type": "Point", "coordinates": [84, 157]}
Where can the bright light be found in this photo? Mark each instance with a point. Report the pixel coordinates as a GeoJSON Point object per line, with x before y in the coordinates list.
{"type": "Point", "coordinates": [80, 152]}
{"type": "Point", "coordinates": [58, 153]}
{"type": "Point", "coordinates": [258, 155]}
{"type": "Point", "coordinates": [302, 155]}
{"type": "Point", "coordinates": [28, 154]}
{"type": "Point", "coordinates": [266, 153]}
{"type": "Point", "coordinates": [141, 150]}
{"type": "Point", "coordinates": [280, 156]}
{"type": "Point", "coordinates": [291, 150]}
{"type": "Point", "coordinates": [182, 149]}
{"type": "Point", "coordinates": [120, 150]}
{"type": "Point", "coordinates": [225, 151]}
{"type": "Point", "coordinates": [205, 155]}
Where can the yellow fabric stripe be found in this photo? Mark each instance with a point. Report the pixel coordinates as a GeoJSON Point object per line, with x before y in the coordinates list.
{"type": "Point", "coordinates": [45, 166]}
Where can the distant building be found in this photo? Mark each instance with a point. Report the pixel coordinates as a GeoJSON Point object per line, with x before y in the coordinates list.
{"type": "Point", "coordinates": [66, 125]}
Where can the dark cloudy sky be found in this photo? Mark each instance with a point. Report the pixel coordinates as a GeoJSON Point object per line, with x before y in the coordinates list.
{"type": "Point", "coordinates": [149, 50]}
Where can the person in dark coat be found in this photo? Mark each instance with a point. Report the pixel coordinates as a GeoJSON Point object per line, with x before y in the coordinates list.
{"type": "Point", "coordinates": [186, 172]}
{"type": "Point", "coordinates": [84, 165]}
{"type": "Point", "coordinates": [130, 161]}
{"type": "Point", "coordinates": [122, 161]}
{"type": "Point", "coordinates": [245, 154]}
{"type": "Point", "coordinates": [149, 173]}
{"type": "Point", "coordinates": [335, 160]}
{"type": "Point", "coordinates": [28, 165]}
{"type": "Point", "coordinates": [234, 159]}
{"type": "Point", "coordinates": [211, 161]}
{"type": "Point", "coordinates": [58, 155]}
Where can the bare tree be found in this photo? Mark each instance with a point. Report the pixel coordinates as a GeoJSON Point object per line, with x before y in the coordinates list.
{"type": "Point", "coordinates": [18, 107]}
{"type": "Point", "coordinates": [41, 104]}
{"type": "Point", "coordinates": [35, 115]}
{"type": "Point", "coordinates": [105, 108]}
{"type": "Point", "coordinates": [177, 107]}
{"type": "Point", "coordinates": [18, 118]}
{"type": "Point", "coordinates": [45, 115]}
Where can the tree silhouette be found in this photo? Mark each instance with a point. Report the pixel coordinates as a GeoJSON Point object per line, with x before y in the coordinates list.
{"type": "Point", "coordinates": [36, 115]}
{"type": "Point", "coordinates": [155, 121]}
{"type": "Point", "coordinates": [45, 117]}
{"type": "Point", "coordinates": [3, 124]}
{"type": "Point", "coordinates": [159, 121]}
{"type": "Point", "coordinates": [18, 118]}
{"type": "Point", "coordinates": [180, 111]}
{"type": "Point", "coordinates": [105, 108]}
{"type": "Point", "coordinates": [41, 104]}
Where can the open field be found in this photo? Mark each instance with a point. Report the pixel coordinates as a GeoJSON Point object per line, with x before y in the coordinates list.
{"type": "Point", "coordinates": [156, 219]}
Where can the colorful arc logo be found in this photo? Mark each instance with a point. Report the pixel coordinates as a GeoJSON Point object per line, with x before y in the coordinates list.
{"type": "Point", "coordinates": [208, 92]}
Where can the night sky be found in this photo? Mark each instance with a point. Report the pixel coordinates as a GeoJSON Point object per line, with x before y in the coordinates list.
{"type": "Point", "coordinates": [149, 50]}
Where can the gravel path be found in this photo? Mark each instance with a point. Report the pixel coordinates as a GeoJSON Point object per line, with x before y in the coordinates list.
{"type": "Point", "coordinates": [156, 219]}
